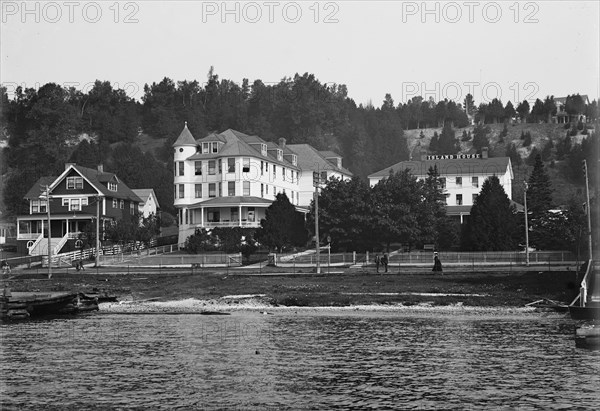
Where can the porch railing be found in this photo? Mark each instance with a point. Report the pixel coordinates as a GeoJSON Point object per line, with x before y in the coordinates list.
{"type": "Point", "coordinates": [61, 243]}
{"type": "Point", "coordinates": [35, 243]}
{"type": "Point", "coordinates": [235, 223]}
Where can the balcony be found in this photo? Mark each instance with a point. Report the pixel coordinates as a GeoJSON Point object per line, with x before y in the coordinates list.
{"type": "Point", "coordinates": [227, 223]}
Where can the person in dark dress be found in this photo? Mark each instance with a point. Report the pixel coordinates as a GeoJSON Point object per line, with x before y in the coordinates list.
{"type": "Point", "coordinates": [437, 264]}
{"type": "Point", "coordinates": [384, 261]}
{"type": "Point", "coordinates": [377, 262]}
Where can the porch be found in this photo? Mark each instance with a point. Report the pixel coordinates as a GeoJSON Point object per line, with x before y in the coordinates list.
{"type": "Point", "coordinates": [32, 232]}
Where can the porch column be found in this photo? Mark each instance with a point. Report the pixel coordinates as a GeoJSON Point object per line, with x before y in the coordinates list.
{"type": "Point", "coordinates": [201, 216]}
{"type": "Point", "coordinates": [240, 215]}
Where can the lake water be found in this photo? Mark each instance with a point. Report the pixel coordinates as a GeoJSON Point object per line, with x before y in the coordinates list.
{"type": "Point", "coordinates": [315, 360]}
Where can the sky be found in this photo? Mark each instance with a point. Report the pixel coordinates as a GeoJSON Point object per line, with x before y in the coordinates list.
{"type": "Point", "coordinates": [504, 49]}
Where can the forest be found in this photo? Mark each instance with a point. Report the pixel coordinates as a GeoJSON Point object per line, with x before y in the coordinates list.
{"type": "Point", "coordinates": [47, 127]}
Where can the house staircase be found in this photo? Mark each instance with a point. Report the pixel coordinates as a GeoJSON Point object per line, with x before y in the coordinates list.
{"type": "Point", "coordinates": [41, 247]}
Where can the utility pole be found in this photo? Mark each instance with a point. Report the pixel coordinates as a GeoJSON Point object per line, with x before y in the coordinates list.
{"type": "Point", "coordinates": [526, 226]}
{"type": "Point", "coordinates": [47, 192]}
{"type": "Point", "coordinates": [316, 181]}
{"type": "Point", "coordinates": [97, 230]}
{"type": "Point", "coordinates": [588, 210]}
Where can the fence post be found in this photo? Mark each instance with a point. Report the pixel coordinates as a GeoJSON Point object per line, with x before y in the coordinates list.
{"type": "Point", "coordinates": [353, 257]}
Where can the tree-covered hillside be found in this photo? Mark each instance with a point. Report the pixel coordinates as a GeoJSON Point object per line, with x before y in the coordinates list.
{"type": "Point", "coordinates": [44, 128]}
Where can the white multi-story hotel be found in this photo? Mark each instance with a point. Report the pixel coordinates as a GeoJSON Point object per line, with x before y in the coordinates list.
{"type": "Point", "coordinates": [229, 179]}
{"type": "Point", "coordinates": [462, 176]}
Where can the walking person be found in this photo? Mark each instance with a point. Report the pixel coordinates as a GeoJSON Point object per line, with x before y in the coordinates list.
{"type": "Point", "coordinates": [437, 264]}
{"type": "Point", "coordinates": [377, 261]}
{"type": "Point", "coordinates": [385, 261]}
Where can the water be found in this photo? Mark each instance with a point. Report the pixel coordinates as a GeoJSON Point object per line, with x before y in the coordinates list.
{"type": "Point", "coordinates": [321, 360]}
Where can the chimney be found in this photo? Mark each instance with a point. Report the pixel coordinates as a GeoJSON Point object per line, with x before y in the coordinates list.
{"type": "Point", "coordinates": [101, 168]}
{"type": "Point", "coordinates": [484, 152]}
{"type": "Point", "coordinates": [282, 142]}
{"type": "Point", "coordinates": [67, 165]}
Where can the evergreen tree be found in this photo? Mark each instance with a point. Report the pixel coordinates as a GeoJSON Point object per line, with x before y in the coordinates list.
{"type": "Point", "coordinates": [539, 191]}
{"type": "Point", "coordinates": [526, 139]}
{"type": "Point", "coordinates": [432, 213]}
{"type": "Point", "coordinates": [480, 139]}
{"type": "Point", "coordinates": [511, 151]}
{"type": "Point", "coordinates": [563, 147]}
{"type": "Point", "coordinates": [509, 111]}
{"type": "Point", "coordinates": [523, 110]}
{"type": "Point", "coordinates": [448, 143]}
{"type": "Point", "coordinates": [434, 145]}
{"type": "Point", "coordinates": [547, 150]}
{"type": "Point", "coordinates": [492, 225]}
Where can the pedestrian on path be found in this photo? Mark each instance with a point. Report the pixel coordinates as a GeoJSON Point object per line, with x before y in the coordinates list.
{"type": "Point", "coordinates": [437, 264]}
{"type": "Point", "coordinates": [385, 260]}
{"type": "Point", "coordinates": [377, 261]}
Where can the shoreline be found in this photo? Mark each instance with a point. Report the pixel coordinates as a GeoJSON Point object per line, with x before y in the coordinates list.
{"type": "Point", "coordinates": [260, 306]}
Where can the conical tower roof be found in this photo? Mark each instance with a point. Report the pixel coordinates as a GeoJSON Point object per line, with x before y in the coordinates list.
{"type": "Point", "coordinates": [185, 138]}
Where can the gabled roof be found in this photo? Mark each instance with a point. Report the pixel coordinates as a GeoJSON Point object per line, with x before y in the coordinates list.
{"type": "Point", "coordinates": [38, 188]}
{"type": "Point", "coordinates": [311, 159]}
{"type": "Point", "coordinates": [144, 193]}
{"type": "Point", "coordinates": [96, 179]}
{"type": "Point", "coordinates": [471, 166]}
{"type": "Point", "coordinates": [212, 137]}
{"type": "Point", "coordinates": [238, 144]}
{"type": "Point", "coordinates": [185, 138]}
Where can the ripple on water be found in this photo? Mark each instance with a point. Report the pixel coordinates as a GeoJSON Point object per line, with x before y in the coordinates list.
{"type": "Point", "coordinates": [287, 361]}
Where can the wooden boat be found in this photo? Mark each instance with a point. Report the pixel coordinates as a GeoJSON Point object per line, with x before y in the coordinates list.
{"type": "Point", "coordinates": [19, 305]}
{"type": "Point", "coordinates": [586, 306]}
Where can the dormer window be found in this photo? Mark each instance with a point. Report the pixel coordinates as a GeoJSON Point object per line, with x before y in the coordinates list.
{"type": "Point", "coordinates": [205, 148]}
{"type": "Point", "coordinates": [74, 183]}
{"type": "Point", "coordinates": [280, 155]}
{"type": "Point", "coordinates": [112, 186]}
{"type": "Point", "coordinates": [295, 159]}
{"type": "Point", "coordinates": [215, 147]}
{"type": "Point", "coordinates": [263, 149]}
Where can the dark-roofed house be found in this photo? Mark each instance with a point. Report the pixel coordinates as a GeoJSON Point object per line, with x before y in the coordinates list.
{"type": "Point", "coordinates": [462, 176]}
{"type": "Point", "coordinates": [76, 197]}
{"type": "Point", "coordinates": [229, 179]}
